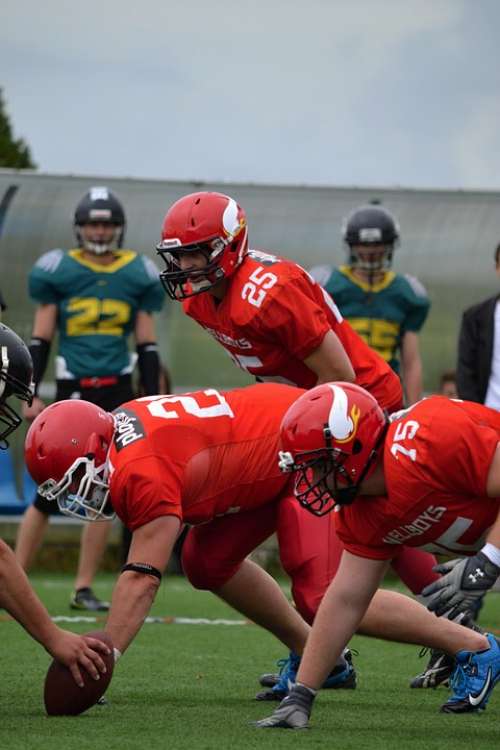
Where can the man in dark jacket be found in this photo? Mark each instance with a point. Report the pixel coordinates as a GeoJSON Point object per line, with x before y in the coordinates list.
{"type": "Point", "coordinates": [478, 368]}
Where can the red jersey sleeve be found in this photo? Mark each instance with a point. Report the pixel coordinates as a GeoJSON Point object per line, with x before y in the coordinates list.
{"type": "Point", "coordinates": [445, 445]}
{"type": "Point", "coordinates": [466, 449]}
{"type": "Point", "coordinates": [144, 490]}
{"type": "Point", "coordinates": [298, 320]}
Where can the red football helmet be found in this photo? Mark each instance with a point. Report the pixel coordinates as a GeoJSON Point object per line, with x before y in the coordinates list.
{"type": "Point", "coordinates": [330, 437]}
{"type": "Point", "coordinates": [66, 453]}
{"type": "Point", "coordinates": [209, 223]}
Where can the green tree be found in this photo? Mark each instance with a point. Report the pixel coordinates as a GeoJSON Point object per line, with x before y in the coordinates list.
{"type": "Point", "coordinates": [13, 153]}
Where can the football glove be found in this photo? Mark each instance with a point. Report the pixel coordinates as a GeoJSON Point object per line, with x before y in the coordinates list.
{"type": "Point", "coordinates": [293, 712]}
{"type": "Point", "coordinates": [464, 581]}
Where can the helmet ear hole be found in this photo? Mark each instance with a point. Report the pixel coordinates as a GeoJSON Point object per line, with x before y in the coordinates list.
{"type": "Point", "coordinates": [357, 446]}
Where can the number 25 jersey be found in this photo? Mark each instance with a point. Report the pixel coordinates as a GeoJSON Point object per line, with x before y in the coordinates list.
{"type": "Point", "coordinates": [274, 316]}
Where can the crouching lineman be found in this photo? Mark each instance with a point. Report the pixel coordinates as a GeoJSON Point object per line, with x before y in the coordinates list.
{"type": "Point", "coordinates": [16, 594]}
{"type": "Point", "coordinates": [209, 459]}
{"type": "Point", "coordinates": [429, 478]}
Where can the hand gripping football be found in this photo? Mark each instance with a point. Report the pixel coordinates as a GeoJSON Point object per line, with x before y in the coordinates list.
{"type": "Point", "coordinates": [63, 697]}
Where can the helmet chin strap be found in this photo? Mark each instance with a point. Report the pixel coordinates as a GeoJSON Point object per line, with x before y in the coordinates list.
{"type": "Point", "coordinates": [99, 248]}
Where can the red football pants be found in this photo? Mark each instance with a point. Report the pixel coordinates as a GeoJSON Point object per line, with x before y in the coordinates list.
{"type": "Point", "coordinates": [309, 548]}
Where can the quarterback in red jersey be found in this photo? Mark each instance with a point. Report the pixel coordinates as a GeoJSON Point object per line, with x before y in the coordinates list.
{"type": "Point", "coordinates": [209, 459]}
{"type": "Point", "coordinates": [430, 478]}
{"type": "Point", "coordinates": [269, 314]}
{"type": "Point", "coordinates": [274, 320]}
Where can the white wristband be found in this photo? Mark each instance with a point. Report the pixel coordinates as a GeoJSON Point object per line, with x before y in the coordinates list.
{"type": "Point", "coordinates": [116, 654]}
{"type": "Point", "coordinates": [310, 689]}
{"type": "Point", "coordinates": [492, 553]}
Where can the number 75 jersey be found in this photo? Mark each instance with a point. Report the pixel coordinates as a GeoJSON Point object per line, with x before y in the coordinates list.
{"type": "Point", "coordinates": [437, 457]}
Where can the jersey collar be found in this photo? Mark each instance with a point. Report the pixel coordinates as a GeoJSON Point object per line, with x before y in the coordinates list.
{"type": "Point", "coordinates": [123, 257]}
{"type": "Point", "coordinates": [384, 282]}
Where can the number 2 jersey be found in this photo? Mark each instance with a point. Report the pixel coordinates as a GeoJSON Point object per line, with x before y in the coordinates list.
{"type": "Point", "coordinates": [274, 316]}
{"type": "Point", "coordinates": [437, 456]}
{"type": "Point", "coordinates": [200, 455]}
{"type": "Point", "coordinates": [96, 307]}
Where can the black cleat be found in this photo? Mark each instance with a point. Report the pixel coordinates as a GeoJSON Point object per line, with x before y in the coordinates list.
{"type": "Point", "coordinates": [437, 672]}
{"type": "Point", "coordinates": [87, 600]}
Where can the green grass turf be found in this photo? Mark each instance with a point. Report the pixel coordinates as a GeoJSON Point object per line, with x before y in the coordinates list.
{"type": "Point", "coordinates": [192, 686]}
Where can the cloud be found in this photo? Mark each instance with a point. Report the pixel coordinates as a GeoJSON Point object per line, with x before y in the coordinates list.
{"type": "Point", "coordinates": [366, 92]}
{"type": "Point", "coordinates": [475, 145]}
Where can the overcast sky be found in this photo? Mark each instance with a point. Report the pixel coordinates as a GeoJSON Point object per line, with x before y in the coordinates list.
{"type": "Point", "coordinates": [336, 92]}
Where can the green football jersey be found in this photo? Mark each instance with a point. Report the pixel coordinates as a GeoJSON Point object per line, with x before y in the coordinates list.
{"type": "Point", "coordinates": [381, 314]}
{"type": "Point", "coordinates": [96, 307]}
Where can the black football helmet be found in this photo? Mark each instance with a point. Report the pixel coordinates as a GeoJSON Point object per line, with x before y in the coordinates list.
{"type": "Point", "coordinates": [16, 379]}
{"type": "Point", "coordinates": [370, 226]}
{"type": "Point", "coordinates": [99, 205]}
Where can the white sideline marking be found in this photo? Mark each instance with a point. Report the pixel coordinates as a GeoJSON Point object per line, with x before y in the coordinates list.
{"type": "Point", "coordinates": [157, 620]}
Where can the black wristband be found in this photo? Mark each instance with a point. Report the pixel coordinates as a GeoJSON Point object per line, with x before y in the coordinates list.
{"type": "Point", "coordinates": [145, 568]}
{"type": "Point", "coordinates": [149, 367]}
{"type": "Point", "coordinates": [39, 350]}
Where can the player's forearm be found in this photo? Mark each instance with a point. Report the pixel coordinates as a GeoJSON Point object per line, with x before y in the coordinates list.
{"type": "Point", "coordinates": [19, 599]}
{"type": "Point", "coordinates": [412, 378]}
{"type": "Point", "coordinates": [133, 596]}
{"type": "Point", "coordinates": [411, 365]}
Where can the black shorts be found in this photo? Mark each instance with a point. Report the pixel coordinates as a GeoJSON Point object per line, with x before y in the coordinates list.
{"type": "Point", "coordinates": [108, 397]}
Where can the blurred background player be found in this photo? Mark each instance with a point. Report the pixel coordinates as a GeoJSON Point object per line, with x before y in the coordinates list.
{"type": "Point", "coordinates": [385, 308]}
{"type": "Point", "coordinates": [448, 384]}
{"type": "Point", "coordinates": [478, 367]}
{"type": "Point", "coordinates": [277, 323]}
{"type": "Point", "coordinates": [93, 296]}
{"type": "Point", "coordinates": [16, 594]}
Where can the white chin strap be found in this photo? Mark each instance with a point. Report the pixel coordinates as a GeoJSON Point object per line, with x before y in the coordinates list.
{"type": "Point", "coordinates": [99, 248]}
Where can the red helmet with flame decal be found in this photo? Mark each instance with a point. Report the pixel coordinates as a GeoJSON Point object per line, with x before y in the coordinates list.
{"type": "Point", "coordinates": [331, 437]}
{"type": "Point", "coordinates": [209, 223]}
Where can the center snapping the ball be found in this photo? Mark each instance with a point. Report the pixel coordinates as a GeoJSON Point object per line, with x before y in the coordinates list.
{"type": "Point", "coordinates": [63, 697]}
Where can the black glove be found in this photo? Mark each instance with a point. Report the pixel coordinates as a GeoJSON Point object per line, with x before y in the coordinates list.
{"type": "Point", "coordinates": [464, 581]}
{"type": "Point", "coordinates": [293, 712]}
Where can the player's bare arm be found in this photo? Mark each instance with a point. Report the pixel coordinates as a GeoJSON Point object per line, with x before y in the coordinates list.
{"type": "Point", "coordinates": [330, 361]}
{"type": "Point", "coordinates": [412, 367]}
{"type": "Point", "coordinates": [19, 599]}
{"type": "Point", "coordinates": [135, 591]}
{"type": "Point", "coordinates": [144, 330]}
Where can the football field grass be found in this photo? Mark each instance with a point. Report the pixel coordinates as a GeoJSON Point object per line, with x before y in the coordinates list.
{"type": "Point", "coordinates": [191, 685]}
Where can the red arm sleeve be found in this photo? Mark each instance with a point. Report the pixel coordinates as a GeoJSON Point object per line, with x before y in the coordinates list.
{"type": "Point", "coordinates": [145, 490]}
